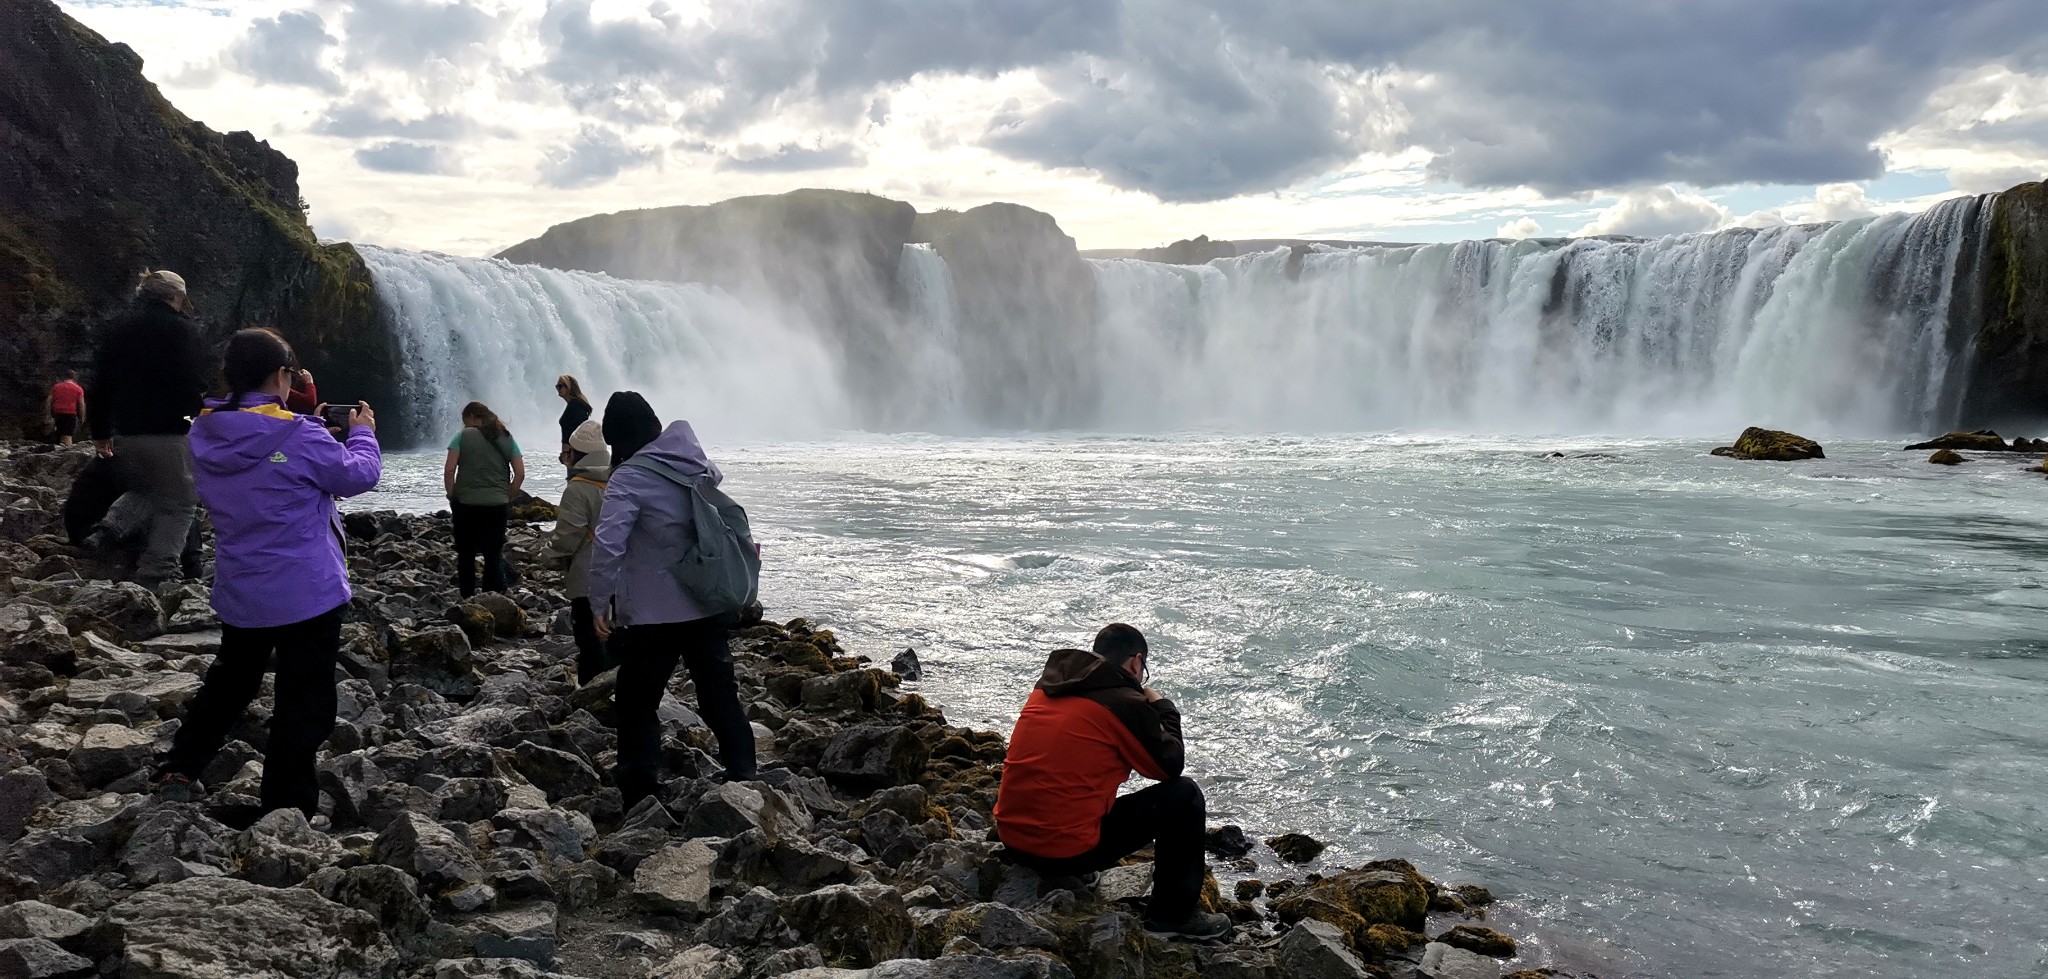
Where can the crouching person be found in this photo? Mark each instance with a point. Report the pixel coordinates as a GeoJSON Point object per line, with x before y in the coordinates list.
{"type": "Point", "coordinates": [1086, 726]}
{"type": "Point", "coordinates": [269, 479]}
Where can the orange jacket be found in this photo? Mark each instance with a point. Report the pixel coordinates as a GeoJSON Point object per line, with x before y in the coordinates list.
{"type": "Point", "coordinates": [1083, 729]}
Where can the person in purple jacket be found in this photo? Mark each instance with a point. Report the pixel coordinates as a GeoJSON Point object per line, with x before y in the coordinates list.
{"type": "Point", "coordinates": [649, 619]}
{"type": "Point", "coordinates": [269, 478]}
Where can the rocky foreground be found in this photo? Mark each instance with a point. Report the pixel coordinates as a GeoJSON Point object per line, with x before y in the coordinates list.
{"type": "Point", "coordinates": [471, 832]}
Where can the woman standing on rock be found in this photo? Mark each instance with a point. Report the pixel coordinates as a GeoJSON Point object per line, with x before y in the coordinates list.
{"type": "Point", "coordinates": [646, 524]}
{"type": "Point", "coordinates": [590, 465]}
{"type": "Point", "coordinates": [482, 476]}
{"type": "Point", "coordinates": [574, 413]}
{"type": "Point", "coordinates": [269, 478]}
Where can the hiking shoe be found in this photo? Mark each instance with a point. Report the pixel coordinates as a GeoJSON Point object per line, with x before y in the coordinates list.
{"type": "Point", "coordinates": [1199, 926]}
{"type": "Point", "coordinates": [173, 787]}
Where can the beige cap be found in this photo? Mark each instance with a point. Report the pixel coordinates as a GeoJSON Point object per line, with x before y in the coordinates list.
{"type": "Point", "coordinates": [160, 284]}
{"type": "Point", "coordinates": [588, 437]}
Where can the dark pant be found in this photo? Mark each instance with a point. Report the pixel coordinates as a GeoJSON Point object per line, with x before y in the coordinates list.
{"type": "Point", "coordinates": [479, 530]}
{"type": "Point", "coordinates": [647, 656]}
{"type": "Point", "coordinates": [300, 719]}
{"type": "Point", "coordinates": [591, 656]}
{"type": "Point", "coordinates": [1171, 815]}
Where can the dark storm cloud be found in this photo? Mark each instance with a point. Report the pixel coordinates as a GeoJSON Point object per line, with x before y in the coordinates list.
{"type": "Point", "coordinates": [401, 156]}
{"type": "Point", "coordinates": [285, 50]}
{"type": "Point", "coordinates": [793, 159]}
{"type": "Point", "coordinates": [594, 156]}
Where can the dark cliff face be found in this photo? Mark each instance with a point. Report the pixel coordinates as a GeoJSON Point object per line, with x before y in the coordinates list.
{"type": "Point", "coordinates": [2008, 373]}
{"type": "Point", "coordinates": [1026, 307]}
{"type": "Point", "coordinates": [101, 178]}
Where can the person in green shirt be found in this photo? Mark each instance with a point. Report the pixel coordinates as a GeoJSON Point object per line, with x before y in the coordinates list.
{"type": "Point", "coordinates": [482, 477]}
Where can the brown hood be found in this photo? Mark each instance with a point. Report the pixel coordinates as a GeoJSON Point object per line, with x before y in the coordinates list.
{"type": "Point", "coordinates": [1070, 672]}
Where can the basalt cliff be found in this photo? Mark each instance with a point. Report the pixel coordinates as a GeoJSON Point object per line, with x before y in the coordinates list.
{"type": "Point", "coordinates": [101, 178]}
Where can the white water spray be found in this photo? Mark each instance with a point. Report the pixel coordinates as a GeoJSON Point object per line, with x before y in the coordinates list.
{"type": "Point", "coordinates": [492, 331]}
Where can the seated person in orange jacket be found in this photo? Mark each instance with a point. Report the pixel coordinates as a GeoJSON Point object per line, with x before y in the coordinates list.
{"type": "Point", "coordinates": [1087, 724]}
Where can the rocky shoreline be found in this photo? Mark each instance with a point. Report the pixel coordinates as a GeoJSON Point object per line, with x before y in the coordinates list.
{"type": "Point", "coordinates": [471, 832]}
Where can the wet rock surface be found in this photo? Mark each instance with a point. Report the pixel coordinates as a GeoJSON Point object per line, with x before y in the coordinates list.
{"type": "Point", "coordinates": [469, 827]}
{"type": "Point", "coordinates": [1771, 446]}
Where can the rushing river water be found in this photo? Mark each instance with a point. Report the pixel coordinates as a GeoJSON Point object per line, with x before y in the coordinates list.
{"type": "Point", "coordinates": [1687, 716]}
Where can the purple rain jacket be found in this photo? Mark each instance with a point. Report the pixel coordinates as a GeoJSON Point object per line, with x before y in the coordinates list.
{"type": "Point", "coordinates": [269, 478]}
{"type": "Point", "coordinates": [640, 531]}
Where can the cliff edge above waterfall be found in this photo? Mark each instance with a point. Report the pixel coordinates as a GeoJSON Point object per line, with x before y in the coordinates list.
{"type": "Point", "coordinates": [2009, 368]}
{"type": "Point", "coordinates": [101, 178]}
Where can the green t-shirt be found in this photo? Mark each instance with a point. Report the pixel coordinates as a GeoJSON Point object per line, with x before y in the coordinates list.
{"type": "Point", "coordinates": [483, 469]}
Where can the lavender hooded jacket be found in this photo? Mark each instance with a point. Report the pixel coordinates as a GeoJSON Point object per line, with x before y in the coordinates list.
{"type": "Point", "coordinates": [640, 532]}
{"type": "Point", "coordinates": [268, 479]}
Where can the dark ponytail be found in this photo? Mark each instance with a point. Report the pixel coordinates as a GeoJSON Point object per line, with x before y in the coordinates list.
{"type": "Point", "coordinates": [252, 356]}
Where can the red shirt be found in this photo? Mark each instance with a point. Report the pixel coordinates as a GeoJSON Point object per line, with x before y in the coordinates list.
{"type": "Point", "coordinates": [66, 397]}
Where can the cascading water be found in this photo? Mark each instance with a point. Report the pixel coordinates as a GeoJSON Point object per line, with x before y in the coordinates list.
{"type": "Point", "coordinates": [1848, 328]}
{"type": "Point", "coordinates": [1842, 328]}
{"type": "Point", "coordinates": [489, 330]}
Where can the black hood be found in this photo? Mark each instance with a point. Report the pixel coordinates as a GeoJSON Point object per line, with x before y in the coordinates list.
{"type": "Point", "coordinates": [1070, 672]}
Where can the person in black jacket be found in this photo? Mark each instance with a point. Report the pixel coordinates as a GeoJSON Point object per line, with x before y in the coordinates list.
{"type": "Point", "coordinates": [148, 380]}
{"type": "Point", "coordinates": [574, 414]}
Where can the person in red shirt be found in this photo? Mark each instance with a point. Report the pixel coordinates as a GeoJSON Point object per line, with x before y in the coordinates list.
{"type": "Point", "coordinates": [304, 398]}
{"type": "Point", "coordinates": [67, 405]}
{"type": "Point", "coordinates": [1089, 722]}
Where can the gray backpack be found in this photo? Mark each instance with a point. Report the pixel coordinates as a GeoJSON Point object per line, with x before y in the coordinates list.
{"type": "Point", "coordinates": [721, 569]}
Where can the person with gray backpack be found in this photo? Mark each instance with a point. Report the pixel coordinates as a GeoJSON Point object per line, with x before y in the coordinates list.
{"type": "Point", "coordinates": [673, 567]}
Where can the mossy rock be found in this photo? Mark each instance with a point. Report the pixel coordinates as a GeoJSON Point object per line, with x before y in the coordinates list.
{"type": "Point", "coordinates": [1982, 440]}
{"type": "Point", "coordinates": [1771, 446]}
{"type": "Point", "coordinates": [1296, 847]}
{"type": "Point", "coordinates": [1355, 900]}
{"type": "Point", "coordinates": [1947, 457]}
{"type": "Point", "coordinates": [1383, 942]}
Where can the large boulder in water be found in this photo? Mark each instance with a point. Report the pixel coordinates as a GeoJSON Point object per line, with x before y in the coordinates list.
{"type": "Point", "coordinates": [1771, 446]}
{"type": "Point", "coordinates": [1978, 441]}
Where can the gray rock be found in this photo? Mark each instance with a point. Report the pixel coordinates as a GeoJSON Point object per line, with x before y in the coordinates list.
{"type": "Point", "coordinates": [52, 857]}
{"type": "Point", "coordinates": [890, 837]}
{"type": "Point", "coordinates": [700, 962]}
{"type": "Point", "coordinates": [123, 612]}
{"type": "Point", "coordinates": [558, 773]}
{"type": "Point", "coordinates": [1126, 883]}
{"type": "Point", "coordinates": [37, 958]}
{"type": "Point", "coordinates": [732, 808]}
{"type": "Point", "coordinates": [439, 659]}
{"type": "Point", "coordinates": [586, 884]}
{"type": "Point", "coordinates": [1314, 950]}
{"type": "Point", "coordinates": [999, 926]}
{"type": "Point", "coordinates": [790, 960]}
{"type": "Point", "coordinates": [22, 792]}
{"type": "Point", "coordinates": [951, 867]}
{"type": "Point", "coordinates": [179, 645]}
{"type": "Point", "coordinates": [518, 933]}
{"type": "Point", "coordinates": [34, 633]}
{"type": "Point", "coordinates": [563, 837]}
{"type": "Point", "coordinates": [426, 850]}
{"type": "Point", "coordinates": [873, 756]}
{"type": "Point", "coordinates": [1441, 961]}
{"type": "Point", "coordinates": [489, 969]}
{"type": "Point", "coordinates": [109, 751]}
{"type": "Point", "coordinates": [677, 880]}
{"type": "Point", "coordinates": [860, 924]}
{"type": "Point", "coordinates": [34, 919]}
{"type": "Point", "coordinates": [753, 919]}
{"type": "Point", "coordinates": [282, 849]}
{"type": "Point", "coordinates": [222, 928]}
{"type": "Point", "coordinates": [387, 894]}
{"type": "Point", "coordinates": [907, 666]}
{"type": "Point", "coordinates": [173, 843]}
{"type": "Point", "coordinates": [466, 800]}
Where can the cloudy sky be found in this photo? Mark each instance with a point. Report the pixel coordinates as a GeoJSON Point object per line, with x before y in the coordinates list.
{"type": "Point", "coordinates": [469, 125]}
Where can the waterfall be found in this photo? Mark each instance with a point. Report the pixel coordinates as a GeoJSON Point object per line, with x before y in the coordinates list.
{"type": "Point", "coordinates": [492, 331]}
{"type": "Point", "coordinates": [1857, 327]}
{"type": "Point", "coordinates": [1841, 328]}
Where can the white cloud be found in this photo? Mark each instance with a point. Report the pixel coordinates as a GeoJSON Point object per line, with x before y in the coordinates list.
{"type": "Point", "coordinates": [1522, 227]}
{"type": "Point", "coordinates": [1653, 212]}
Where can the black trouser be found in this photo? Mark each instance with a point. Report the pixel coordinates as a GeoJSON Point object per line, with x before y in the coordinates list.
{"type": "Point", "coordinates": [479, 530]}
{"type": "Point", "coordinates": [301, 718]}
{"type": "Point", "coordinates": [647, 656]}
{"type": "Point", "coordinates": [1171, 815]}
{"type": "Point", "coordinates": [591, 656]}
